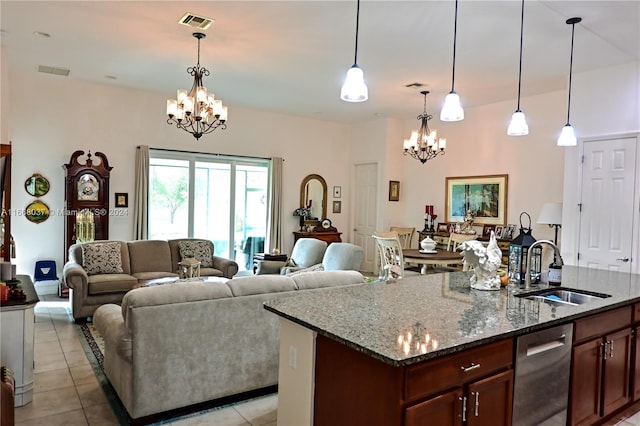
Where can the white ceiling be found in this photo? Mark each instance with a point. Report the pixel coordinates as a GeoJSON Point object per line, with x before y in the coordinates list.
{"type": "Point", "coordinates": [291, 56]}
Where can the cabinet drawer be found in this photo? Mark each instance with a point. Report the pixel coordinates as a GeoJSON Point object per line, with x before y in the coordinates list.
{"type": "Point", "coordinates": [454, 370]}
{"type": "Point", "coordinates": [600, 324]}
{"type": "Point", "coordinates": [636, 312]}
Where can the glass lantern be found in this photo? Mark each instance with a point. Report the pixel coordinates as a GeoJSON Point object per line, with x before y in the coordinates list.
{"type": "Point", "coordinates": [518, 251]}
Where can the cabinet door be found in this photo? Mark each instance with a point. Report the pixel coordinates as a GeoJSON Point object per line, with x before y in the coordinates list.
{"type": "Point", "coordinates": [617, 371]}
{"type": "Point", "coordinates": [490, 401]}
{"type": "Point", "coordinates": [443, 410]}
{"type": "Point", "coordinates": [636, 375]}
{"type": "Point", "coordinates": [584, 404]}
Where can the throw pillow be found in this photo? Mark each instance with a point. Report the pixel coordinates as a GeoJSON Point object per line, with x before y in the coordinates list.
{"type": "Point", "coordinates": [318, 267]}
{"type": "Point", "coordinates": [102, 258]}
{"type": "Point", "coordinates": [200, 250]}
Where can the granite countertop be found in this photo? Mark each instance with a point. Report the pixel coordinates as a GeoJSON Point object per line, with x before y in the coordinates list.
{"type": "Point", "coordinates": [442, 311]}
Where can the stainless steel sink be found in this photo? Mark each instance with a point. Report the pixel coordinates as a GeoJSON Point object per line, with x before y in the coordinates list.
{"type": "Point", "coordinates": [564, 296]}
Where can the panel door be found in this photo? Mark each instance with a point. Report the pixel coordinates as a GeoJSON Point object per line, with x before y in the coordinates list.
{"type": "Point", "coordinates": [366, 217]}
{"type": "Point", "coordinates": [584, 403]}
{"type": "Point", "coordinates": [443, 410]}
{"type": "Point", "coordinates": [617, 371]}
{"type": "Point", "coordinates": [636, 364]}
{"type": "Point", "coordinates": [490, 401]}
{"type": "Point", "coordinates": [607, 200]}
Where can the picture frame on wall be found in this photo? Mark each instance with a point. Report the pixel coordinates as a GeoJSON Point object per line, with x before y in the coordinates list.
{"type": "Point", "coordinates": [394, 190]}
{"type": "Point", "coordinates": [337, 206]}
{"type": "Point", "coordinates": [484, 196]}
{"type": "Point", "coordinates": [122, 199]}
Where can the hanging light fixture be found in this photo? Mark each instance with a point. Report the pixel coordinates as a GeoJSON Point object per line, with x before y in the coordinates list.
{"type": "Point", "coordinates": [452, 110]}
{"type": "Point", "coordinates": [423, 145]}
{"type": "Point", "coordinates": [197, 111]}
{"type": "Point", "coordinates": [354, 88]}
{"type": "Point", "coordinates": [568, 136]}
{"type": "Point", "coordinates": [518, 125]}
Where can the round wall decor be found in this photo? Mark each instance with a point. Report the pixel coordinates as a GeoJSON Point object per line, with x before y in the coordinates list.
{"type": "Point", "coordinates": [37, 212]}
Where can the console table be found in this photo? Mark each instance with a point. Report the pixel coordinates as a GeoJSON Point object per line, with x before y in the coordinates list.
{"type": "Point", "coordinates": [327, 236]}
{"type": "Point", "coordinates": [258, 257]}
{"type": "Point", "coordinates": [17, 328]}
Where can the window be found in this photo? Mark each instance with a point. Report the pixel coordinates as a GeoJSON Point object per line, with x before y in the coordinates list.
{"type": "Point", "coordinates": [222, 199]}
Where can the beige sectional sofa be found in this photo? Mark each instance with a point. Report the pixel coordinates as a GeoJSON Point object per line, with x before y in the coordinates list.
{"type": "Point", "coordinates": [174, 345]}
{"type": "Point", "coordinates": [102, 272]}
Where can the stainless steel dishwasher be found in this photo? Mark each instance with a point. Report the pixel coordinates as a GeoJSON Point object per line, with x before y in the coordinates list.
{"type": "Point", "coordinates": [541, 386]}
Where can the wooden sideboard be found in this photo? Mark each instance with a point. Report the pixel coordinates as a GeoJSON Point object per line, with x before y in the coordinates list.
{"type": "Point", "coordinates": [328, 236]}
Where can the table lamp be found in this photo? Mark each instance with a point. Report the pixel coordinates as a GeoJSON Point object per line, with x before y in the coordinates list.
{"type": "Point", "coordinates": [551, 214]}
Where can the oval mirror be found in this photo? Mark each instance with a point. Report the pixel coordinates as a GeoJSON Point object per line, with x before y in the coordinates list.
{"type": "Point", "coordinates": [37, 185]}
{"type": "Point", "coordinates": [313, 193]}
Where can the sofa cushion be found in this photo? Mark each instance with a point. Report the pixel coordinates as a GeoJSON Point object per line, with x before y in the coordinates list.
{"type": "Point", "coordinates": [320, 279]}
{"type": "Point", "coordinates": [144, 276]}
{"type": "Point", "coordinates": [260, 284]}
{"type": "Point", "coordinates": [210, 272]}
{"type": "Point", "coordinates": [149, 256]}
{"type": "Point", "coordinates": [110, 283]}
{"type": "Point", "coordinates": [200, 250]}
{"type": "Point", "coordinates": [102, 258]}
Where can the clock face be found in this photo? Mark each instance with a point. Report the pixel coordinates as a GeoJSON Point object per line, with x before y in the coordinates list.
{"type": "Point", "coordinates": [88, 188]}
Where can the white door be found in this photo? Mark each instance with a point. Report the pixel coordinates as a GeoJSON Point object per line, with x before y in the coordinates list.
{"type": "Point", "coordinates": [365, 212]}
{"type": "Point", "coordinates": [607, 204]}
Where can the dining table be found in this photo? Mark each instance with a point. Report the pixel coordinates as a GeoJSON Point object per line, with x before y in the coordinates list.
{"type": "Point", "coordinates": [435, 257]}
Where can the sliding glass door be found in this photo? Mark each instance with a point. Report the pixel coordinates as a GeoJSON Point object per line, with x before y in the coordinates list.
{"type": "Point", "coordinates": [222, 199]}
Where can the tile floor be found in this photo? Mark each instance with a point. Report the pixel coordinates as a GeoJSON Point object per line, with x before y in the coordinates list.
{"type": "Point", "coordinates": [67, 393]}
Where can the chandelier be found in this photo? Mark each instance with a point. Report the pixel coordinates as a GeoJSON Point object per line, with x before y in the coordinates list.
{"type": "Point", "coordinates": [423, 145]}
{"type": "Point", "coordinates": [197, 111]}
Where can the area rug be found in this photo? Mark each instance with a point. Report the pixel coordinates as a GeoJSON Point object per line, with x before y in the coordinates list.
{"type": "Point", "coordinates": [93, 345]}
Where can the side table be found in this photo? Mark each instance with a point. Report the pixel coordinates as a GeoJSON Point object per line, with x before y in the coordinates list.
{"type": "Point", "coordinates": [266, 256]}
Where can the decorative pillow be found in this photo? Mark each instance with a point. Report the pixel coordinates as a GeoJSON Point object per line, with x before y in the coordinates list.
{"type": "Point", "coordinates": [290, 262]}
{"type": "Point", "coordinates": [102, 258]}
{"type": "Point", "coordinates": [318, 267]}
{"type": "Point", "coordinates": [200, 250]}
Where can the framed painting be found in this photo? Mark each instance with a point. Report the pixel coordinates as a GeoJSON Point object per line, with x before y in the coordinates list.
{"type": "Point", "coordinates": [122, 199]}
{"type": "Point", "coordinates": [394, 190]}
{"type": "Point", "coordinates": [337, 206]}
{"type": "Point", "coordinates": [484, 196]}
{"type": "Point", "coordinates": [443, 227]}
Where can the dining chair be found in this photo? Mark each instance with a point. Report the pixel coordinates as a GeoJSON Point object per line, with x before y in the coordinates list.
{"type": "Point", "coordinates": [390, 255]}
{"type": "Point", "coordinates": [455, 240]}
{"type": "Point", "coordinates": [405, 235]}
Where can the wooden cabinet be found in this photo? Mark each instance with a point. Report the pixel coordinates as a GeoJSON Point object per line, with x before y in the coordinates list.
{"type": "Point", "coordinates": [472, 387]}
{"type": "Point", "coordinates": [601, 366]}
{"type": "Point", "coordinates": [327, 236]}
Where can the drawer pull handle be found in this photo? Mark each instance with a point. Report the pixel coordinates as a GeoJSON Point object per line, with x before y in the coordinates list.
{"type": "Point", "coordinates": [473, 366]}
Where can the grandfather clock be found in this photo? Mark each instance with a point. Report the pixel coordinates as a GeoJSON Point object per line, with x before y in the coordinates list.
{"type": "Point", "coordinates": [86, 199]}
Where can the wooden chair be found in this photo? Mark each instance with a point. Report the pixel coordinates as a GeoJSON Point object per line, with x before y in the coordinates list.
{"type": "Point", "coordinates": [390, 252]}
{"type": "Point", "coordinates": [405, 235]}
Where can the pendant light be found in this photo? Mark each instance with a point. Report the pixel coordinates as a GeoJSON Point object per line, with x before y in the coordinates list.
{"type": "Point", "coordinates": [452, 110]}
{"type": "Point", "coordinates": [568, 136]}
{"type": "Point", "coordinates": [354, 88]}
{"type": "Point", "coordinates": [518, 125]}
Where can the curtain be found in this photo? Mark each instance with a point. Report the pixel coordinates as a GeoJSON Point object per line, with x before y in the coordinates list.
{"type": "Point", "coordinates": [141, 204]}
{"type": "Point", "coordinates": [274, 226]}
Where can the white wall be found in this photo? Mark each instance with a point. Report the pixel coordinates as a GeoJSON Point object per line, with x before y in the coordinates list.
{"type": "Point", "coordinates": [51, 117]}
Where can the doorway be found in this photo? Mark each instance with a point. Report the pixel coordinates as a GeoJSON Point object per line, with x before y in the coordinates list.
{"type": "Point", "coordinates": [366, 212]}
{"type": "Point", "coordinates": [608, 194]}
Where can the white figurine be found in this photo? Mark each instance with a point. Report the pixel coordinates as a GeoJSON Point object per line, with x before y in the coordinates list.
{"type": "Point", "coordinates": [485, 261]}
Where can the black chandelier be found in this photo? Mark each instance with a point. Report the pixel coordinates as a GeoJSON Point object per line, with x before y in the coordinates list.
{"type": "Point", "coordinates": [423, 145]}
{"type": "Point", "coordinates": [197, 111]}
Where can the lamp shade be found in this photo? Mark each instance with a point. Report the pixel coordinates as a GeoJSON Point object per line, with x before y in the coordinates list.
{"type": "Point", "coordinates": [452, 109]}
{"type": "Point", "coordinates": [551, 214]}
{"type": "Point", "coordinates": [354, 88]}
{"type": "Point", "coordinates": [567, 136]}
{"type": "Point", "coordinates": [518, 125]}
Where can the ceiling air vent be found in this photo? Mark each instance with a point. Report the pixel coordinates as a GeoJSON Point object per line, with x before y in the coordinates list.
{"type": "Point", "coordinates": [53, 70]}
{"type": "Point", "coordinates": [414, 85]}
{"type": "Point", "coordinates": [195, 21]}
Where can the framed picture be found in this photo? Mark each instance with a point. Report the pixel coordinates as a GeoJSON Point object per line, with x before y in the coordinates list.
{"type": "Point", "coordinates": [484, 196]}
{"type": "Point", "coordinates": [122, 199]}
{"type": "Point", "coordinates": [337, 191]}
{"type": "Point", "coordinates": [452, 227]}
{"type": "Point", "coordinates": [486, 230]}
{"type": "Point", "coordinates": [498, 231]}
{"type": "Point", "coordinates": [337, 206]}
{"type": "Point", "coordinates": [394, 190]}
{"type": "Point", "coordinates": [508, 232]}
{"type": "Point", "coordinates": [443, 227]}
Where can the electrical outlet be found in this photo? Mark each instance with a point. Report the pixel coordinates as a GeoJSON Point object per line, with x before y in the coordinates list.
{"type": "Point", "coordinates": [293, 357]}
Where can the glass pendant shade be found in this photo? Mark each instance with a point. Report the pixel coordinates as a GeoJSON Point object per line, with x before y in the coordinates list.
{"type": "Point", "coordinates": [354, 88]}
{"type": "Point", "coordinates": [452, 110]}
{"type": "Point", "coordinates": [518, 125]}
{"type": "Point", "coordinates": [567, 136]}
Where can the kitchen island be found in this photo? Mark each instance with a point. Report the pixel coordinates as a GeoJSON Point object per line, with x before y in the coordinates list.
{"type": "Point", "coordinates": [369, 326]}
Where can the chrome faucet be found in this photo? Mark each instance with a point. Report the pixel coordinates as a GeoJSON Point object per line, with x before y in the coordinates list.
{"type": "Point", "coordinates": [527, 279]}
